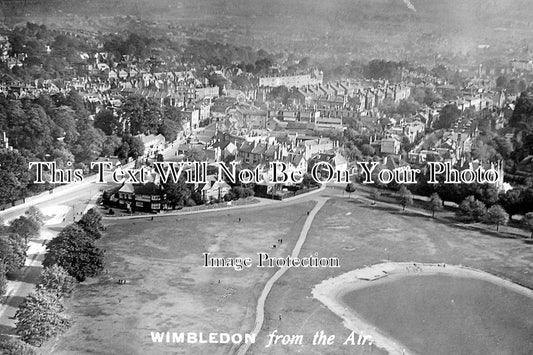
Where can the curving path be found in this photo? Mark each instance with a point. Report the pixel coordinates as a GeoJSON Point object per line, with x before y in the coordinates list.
{"type": "Point", "coordinates": [260, 309]}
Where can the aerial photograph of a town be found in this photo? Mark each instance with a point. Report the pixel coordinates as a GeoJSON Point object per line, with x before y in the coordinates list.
{"type": "Point", "coordinates": [254, 177]}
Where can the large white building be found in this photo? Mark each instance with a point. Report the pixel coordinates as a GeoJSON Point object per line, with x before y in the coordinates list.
{"type": "Point", "coordinates": [290, 81]}
{"type": "Point", "coordinates": [522, 65]}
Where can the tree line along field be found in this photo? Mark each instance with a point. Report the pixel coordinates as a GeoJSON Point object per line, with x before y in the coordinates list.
{"type": "Point", "coordinates": [70, 257]}
{"type": "Point", "coordinates": [361, 234]}
{"type": "Point", "coordinates": [167, 288]}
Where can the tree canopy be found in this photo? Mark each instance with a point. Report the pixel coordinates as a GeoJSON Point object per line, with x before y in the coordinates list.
{"type": "Point", "coordinates": [471, 210]}
{"type": "Point", "coordinates": [13, 346]}
{"type": "Point", "coordinates": [40, 317]}
{"type": "Point", "coordinates": [73, 249]}
{"type": "Point", "coordinates": [35, 214]}
{"type": "Point", "coordinates": [177, 192]}
{"type": "Point", "coordinates": [14, 175]}
{"type": "Point", "coordinates": [91, 222]}
{"type": "Point", "coordinates": [528, 222]}
{"type": "Point", "coordinates": [107, 122]}
{"type": "Point", "coordinates": [406, 197]}
{"type": "Point", "coordinates": [56, 280]}
{"type": "Point", "coordinates": [496, 215]}
{"type": "Point", "coordinates": [3, 280]}
{"type": "Point", "coordinates": [447, 116]}
{"type": "Point", "coordinates": [12, 253]}
{"type": "Point", "coordinates": [350, 188]}
{"type": "Point", "coordinates": [435, 203]}
{"type": "Point", "coordinates": [522, 118]}
{"type": "Point", "coordinates": [25, 227]}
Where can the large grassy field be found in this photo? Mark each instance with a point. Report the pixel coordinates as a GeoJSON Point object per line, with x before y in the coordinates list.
{"type": "Point", "coordinates": [168, 289]}
{"type": "Point", "coordinates": [360, 234]}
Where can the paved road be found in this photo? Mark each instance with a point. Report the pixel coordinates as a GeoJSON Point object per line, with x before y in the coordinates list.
{"type": "Point", "coordinates": [65, 193]}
